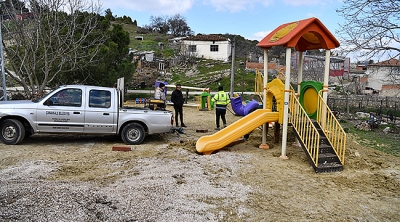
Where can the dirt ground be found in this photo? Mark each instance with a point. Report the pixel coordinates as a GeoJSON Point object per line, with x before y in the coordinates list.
{"type": "Point", "coordinates": [80, 178]}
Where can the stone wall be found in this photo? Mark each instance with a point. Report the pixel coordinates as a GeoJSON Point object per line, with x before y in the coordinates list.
{"type": "Point", "coordinates": [364, 103]}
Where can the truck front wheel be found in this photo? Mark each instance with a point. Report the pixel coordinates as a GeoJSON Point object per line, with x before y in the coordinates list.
{"type": "Point", "coordinates": [133, 133]}
{"type": "Point", "coordinates": [12, 131]}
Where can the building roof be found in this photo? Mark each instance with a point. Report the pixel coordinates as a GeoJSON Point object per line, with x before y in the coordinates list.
{"type": "Point", "coordinates": [333, 59]}
{"type": "Point", "coordinates": [392, 86]}
{"type": "Point", "coordinates": [307, 34]}
{"type": "Point", "coordinates": [260, 66]}
{"type": "Point", "coordinates": [201, 37]}
{"type": "Point", "coordinates": [390, 62]}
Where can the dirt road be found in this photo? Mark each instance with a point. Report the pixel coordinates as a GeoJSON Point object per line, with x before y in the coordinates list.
{"type": "Point", "coordinates": [80, 178]}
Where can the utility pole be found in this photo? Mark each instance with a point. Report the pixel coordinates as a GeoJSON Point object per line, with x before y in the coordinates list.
{"type": "Point", "coordinates": [233, 66]}
{"type": "Point", "coordinates": [3, 77]}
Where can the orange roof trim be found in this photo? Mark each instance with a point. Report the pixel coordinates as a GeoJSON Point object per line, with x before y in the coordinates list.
{"type": "Point", "coordinates": [387, 63]}
{"type": "Point", "coordinates": [302, 35]}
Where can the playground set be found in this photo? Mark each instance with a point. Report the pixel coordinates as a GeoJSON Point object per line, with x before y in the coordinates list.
{"type": "Point", "coordinates": [305, 109]}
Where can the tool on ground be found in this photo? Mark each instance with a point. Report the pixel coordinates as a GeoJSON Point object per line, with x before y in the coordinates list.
{"type": "Point", "coordinates": [178, 131]}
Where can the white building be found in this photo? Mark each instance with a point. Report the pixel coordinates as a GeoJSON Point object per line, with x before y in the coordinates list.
{"type": "Point", "coordinates": [207, 46]}
{"type": "Point", "coordinates": [383, 73]}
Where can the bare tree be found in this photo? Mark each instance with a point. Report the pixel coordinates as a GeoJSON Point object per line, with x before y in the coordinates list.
{"type": "Point", "coordinates": [58, 36]}
{"type": "Point", "coordinates": [178, 26]}
{"type": "Point", "coordinates": [175, 25]}
{"type": "Point", "coordinates": [371, 29]}
{"type": "Point", "coordinates": [313, 67]}
{"type": "Point", "coordinates": [187, 53]}
{"type": "Point", "coordinates": [159, 24]}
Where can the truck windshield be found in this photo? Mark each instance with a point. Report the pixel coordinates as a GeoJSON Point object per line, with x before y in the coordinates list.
{"type": "Point", "coordinates": [42, 98]}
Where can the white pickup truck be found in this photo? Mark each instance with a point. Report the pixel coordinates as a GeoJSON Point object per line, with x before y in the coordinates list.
{"type": "Point", "coordinates": [79, 109]}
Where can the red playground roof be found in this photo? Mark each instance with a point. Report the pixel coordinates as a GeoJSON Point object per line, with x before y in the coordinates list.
{"type": "Point", "coordinates": [302, 35]}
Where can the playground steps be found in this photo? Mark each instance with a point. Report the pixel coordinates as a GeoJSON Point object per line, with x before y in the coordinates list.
{"type": "Point", "coordinates": [328, 161]}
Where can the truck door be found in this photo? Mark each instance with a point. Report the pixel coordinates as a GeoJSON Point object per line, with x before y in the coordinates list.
{"type": "Point", "coordinates": [100, 112]}
{"type": "Point", "coordinates": [63, 112]}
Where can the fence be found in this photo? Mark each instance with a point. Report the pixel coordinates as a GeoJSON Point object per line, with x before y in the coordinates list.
{"type": "Point", "coordinates": [365, 103]}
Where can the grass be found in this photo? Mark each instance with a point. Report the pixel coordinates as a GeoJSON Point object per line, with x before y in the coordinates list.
{"type": "Point", "coordinates": [210, 69]}
{"type": "Point", "coordinates": [150, 41]}
{"type": "Point", "coordinates": [376, 138]}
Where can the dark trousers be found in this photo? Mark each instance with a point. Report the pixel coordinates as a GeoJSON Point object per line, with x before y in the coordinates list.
{"type": "Point", "coordinates": [162, 106]}
{"type": "Point", "coordinates": [178, 112]}
{"type": "Point", "coordinates": [220, 114]}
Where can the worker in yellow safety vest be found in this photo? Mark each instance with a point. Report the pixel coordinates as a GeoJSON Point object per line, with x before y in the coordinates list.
{"type": "Point", "coordinates": [221, 100]}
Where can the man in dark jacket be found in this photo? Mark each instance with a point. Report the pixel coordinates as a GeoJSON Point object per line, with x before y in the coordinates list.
{"type": "Point", "coordinates": [178, 100]}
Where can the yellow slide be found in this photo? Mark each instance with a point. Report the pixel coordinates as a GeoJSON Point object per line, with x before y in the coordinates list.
{"type": "Point", "coordinates": [210, 143]}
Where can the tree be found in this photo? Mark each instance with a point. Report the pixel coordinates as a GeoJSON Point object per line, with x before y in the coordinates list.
{"type": "Point", "coordinates": [109, 15]}
{"type": "Point", "coordinates": [113, 61]}
{"type": "Point", "coordinates": [243, 46]}
{"type": "Point", "coordinates": [54, 42]}
{"type": "Point", "coordinates": [19, 7]}
{"type": "Point", "coordinates": [178, 26]}
{"type": "Point", "coordinates": [175, 25]}
{"type": "Point", "coordinates": [371, 29]}
{"type": "Point", "coordinates": [278, 53]}
{"type": "Point", "coordinates": [124, 19]}
{"type": "Point", "coordinates": [159, 24]}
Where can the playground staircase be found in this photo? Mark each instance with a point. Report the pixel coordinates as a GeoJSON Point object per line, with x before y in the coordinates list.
{"type": "Point", "coordinates": [327, 158]}
{"type": "Point", "coordinates": [323, 140]}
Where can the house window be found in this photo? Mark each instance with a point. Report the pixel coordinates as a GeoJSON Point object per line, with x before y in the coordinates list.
{"type": "Point", "coordinates": [192, 48]}
{"type": "Point", "coordinates": [214, 48]}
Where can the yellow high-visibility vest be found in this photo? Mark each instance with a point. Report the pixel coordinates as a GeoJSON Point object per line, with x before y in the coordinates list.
{"type": "Point", "coordinates": [221, 98]}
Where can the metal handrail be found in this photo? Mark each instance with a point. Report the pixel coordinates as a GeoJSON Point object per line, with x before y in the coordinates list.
{"type": "Point", "coordinates": [333, 130]}
{"type": "Point", "coordinates": [304, 127]}
{"type": "Point", "coordinates": [259, 84]}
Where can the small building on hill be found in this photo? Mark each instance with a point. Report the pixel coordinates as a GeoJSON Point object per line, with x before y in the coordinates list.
{"type": "Point", "coordinates": [207, 46]}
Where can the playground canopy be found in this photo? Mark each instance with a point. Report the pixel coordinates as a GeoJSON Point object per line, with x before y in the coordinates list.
{"type": "Point", "coordinates": [307, 34]}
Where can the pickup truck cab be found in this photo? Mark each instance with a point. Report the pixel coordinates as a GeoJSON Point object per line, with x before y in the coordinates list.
{"type": "Point", "coordinates": [80, 109]}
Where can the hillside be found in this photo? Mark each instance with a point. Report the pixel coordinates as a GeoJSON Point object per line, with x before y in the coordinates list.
{"type": "Point", "coordinates": [200, 73]}
{"type": "Point", "coordinates": [151, 41]}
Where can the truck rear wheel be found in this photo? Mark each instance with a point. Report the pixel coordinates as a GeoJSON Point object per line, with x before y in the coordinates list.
{"type": "Point", "coordinates": [12, 131]}
{"type": "Point", "coordinates": [133, 133]}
